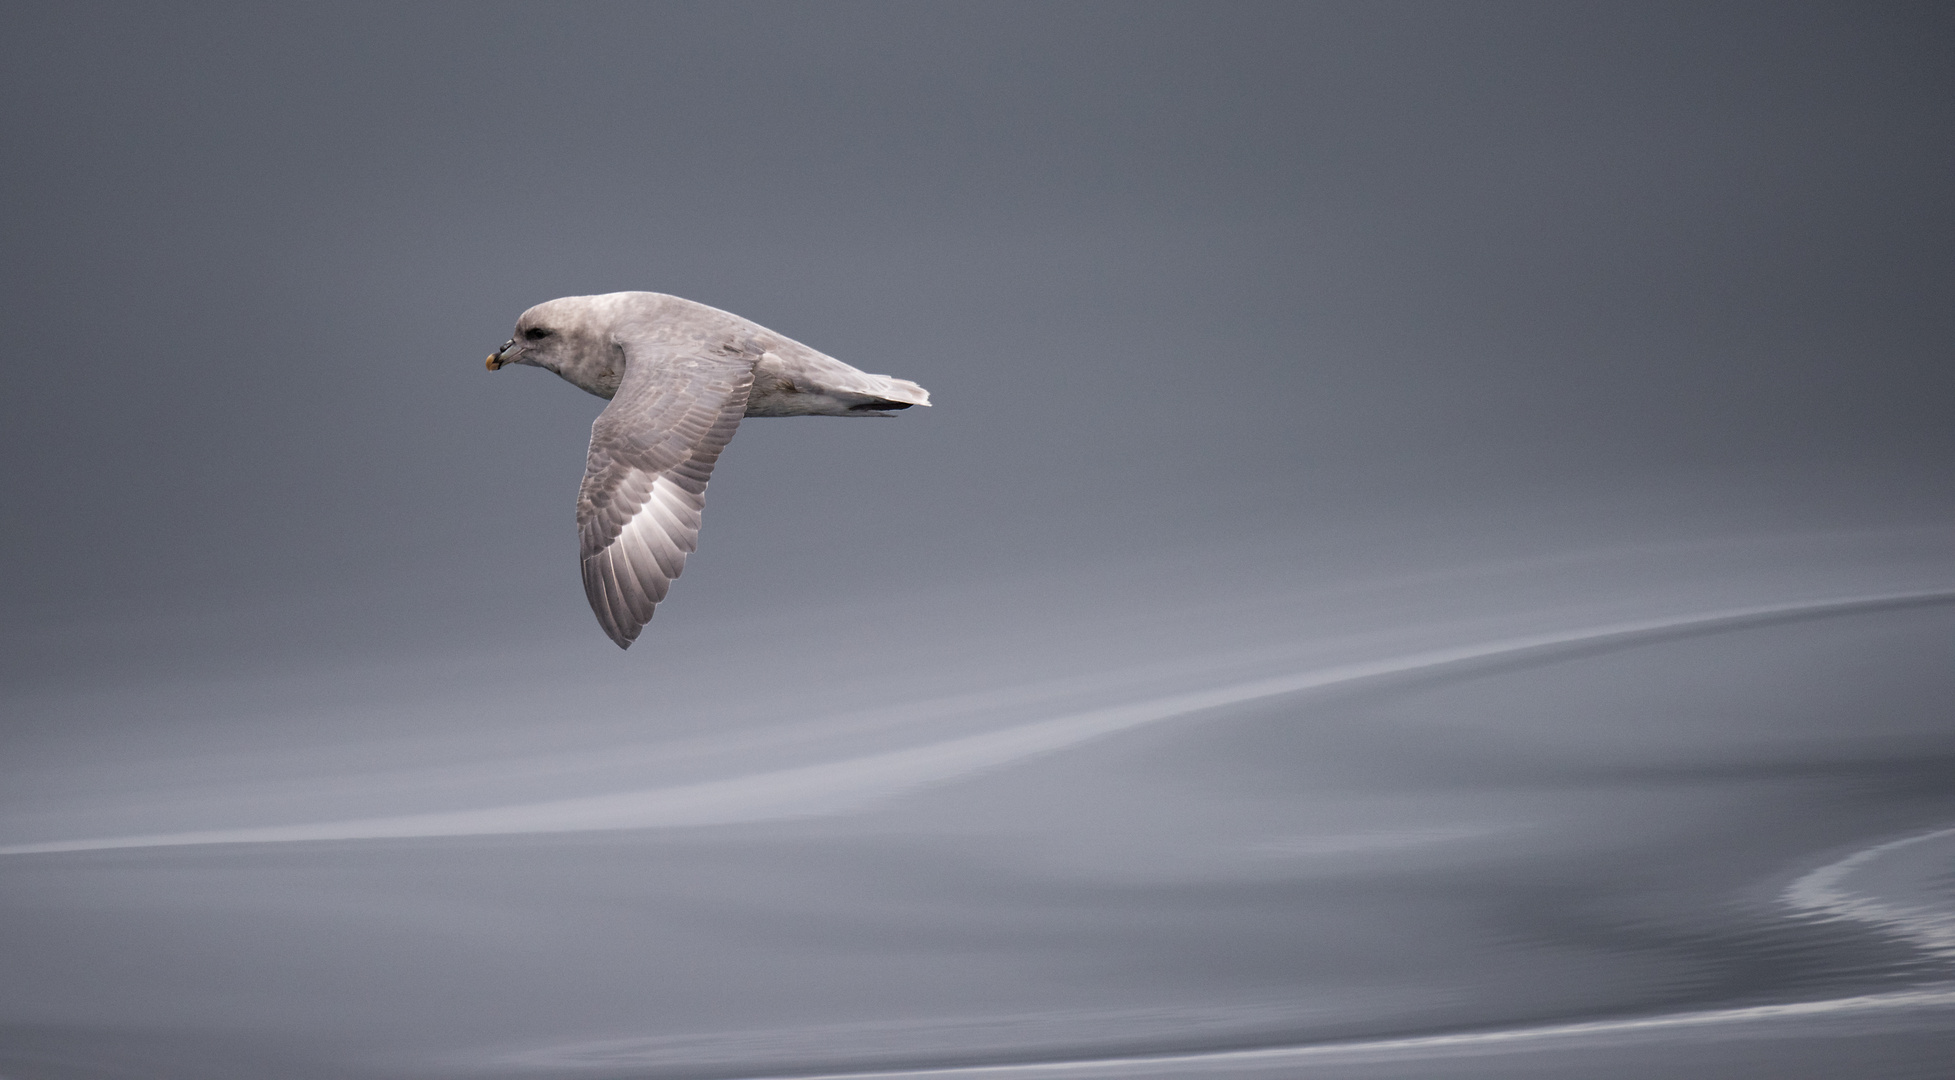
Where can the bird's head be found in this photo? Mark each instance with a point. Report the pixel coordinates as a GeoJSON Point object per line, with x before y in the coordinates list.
{"type": "Point", "coordinates": [567, 336]}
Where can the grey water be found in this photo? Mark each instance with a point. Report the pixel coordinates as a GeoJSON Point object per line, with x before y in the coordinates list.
{"type": "Point", "coordinates": [1651, 809]}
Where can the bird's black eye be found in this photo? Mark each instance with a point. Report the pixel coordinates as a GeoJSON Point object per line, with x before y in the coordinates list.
{"type": "Point", "coordinates": [536, 333]}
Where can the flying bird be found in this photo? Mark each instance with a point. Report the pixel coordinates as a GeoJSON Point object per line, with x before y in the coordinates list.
{"type": "Point", "coordinates": [679, 376]}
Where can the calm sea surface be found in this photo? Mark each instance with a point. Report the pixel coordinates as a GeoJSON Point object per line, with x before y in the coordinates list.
{"type": "Point", "coordinates": [1663, 810]}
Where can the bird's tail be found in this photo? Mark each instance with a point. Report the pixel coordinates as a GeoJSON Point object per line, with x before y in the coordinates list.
{"type": "Point", "coordinates": [888, 395]}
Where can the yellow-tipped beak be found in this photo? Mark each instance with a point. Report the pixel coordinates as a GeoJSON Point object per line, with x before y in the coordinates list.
{"type": "Point", "coordinates": [496, 359]}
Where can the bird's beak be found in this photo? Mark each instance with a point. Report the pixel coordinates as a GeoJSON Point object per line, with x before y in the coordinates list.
{"type": "Point", "coordinates": [502, 356]}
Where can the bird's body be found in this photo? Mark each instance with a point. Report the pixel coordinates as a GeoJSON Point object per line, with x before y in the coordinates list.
{"type": "Point", "coordinates": [680, 376]}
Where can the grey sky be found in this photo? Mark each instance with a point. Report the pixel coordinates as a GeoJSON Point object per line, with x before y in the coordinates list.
{"type": "Point", "coordinates": [1172, 271]}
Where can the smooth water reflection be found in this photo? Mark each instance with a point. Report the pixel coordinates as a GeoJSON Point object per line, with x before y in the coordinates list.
{"type": "Point", "coordinates": [1617, 815]}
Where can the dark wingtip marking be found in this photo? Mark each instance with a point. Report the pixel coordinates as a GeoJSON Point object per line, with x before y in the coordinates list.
{"type": "Point", "coordinates": [881, 406]}
{"type": "Point", "coordinates": [626, 635]}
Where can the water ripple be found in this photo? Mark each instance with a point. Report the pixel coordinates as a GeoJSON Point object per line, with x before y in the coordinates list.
{"type": "Point", "coordinates": [842, 786]}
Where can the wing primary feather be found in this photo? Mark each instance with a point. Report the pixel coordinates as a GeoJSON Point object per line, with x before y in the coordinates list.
{"type": "Point", "coordinates": [614, 597]}
{"type": "Point", "coordinates": [594, 589]}
{"type": "Point", "coordinates": [638, 595]}
{"type": "Point", "coordinates": [656, 567]}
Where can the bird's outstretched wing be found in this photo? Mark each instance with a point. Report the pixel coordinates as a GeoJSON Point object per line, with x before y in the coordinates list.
{"type": "Point", "coordinates": [652, 451]}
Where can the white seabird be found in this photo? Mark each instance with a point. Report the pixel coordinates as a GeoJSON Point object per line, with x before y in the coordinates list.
{"type": "Point", "coordinates": [679, 376]}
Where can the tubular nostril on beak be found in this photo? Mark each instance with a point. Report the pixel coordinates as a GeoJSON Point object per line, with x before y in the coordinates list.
{"type": "Point", "coordinates": [496, 358]}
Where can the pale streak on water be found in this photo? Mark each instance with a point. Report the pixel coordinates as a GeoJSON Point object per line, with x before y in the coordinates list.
{"type": "Point", "coordinates": [1658, 810]}
{"type": "Point", "coordinates": [842, 786]}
